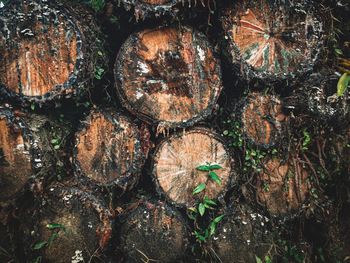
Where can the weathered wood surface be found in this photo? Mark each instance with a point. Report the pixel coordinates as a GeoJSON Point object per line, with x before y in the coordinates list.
{"type": "Point", "coordinates": [17, 155]}
{"type": "Point", "coordinates": [154, 231]}
{"type": "Point", "coordinates": [177, 158]}
{"type": "Point", "coordinates": [272, 40]}
{"type": "Point", "coordinates": [80, 223]}
{"type": "Point", "coordinates": [110, 149]}
{"type": "Point", "coordinates": [242, 235]}
{"type": "Point", "coordinates": [44, 50]}
{"type": "Point", "coordinates": [282, 187]}
{"type": "Point", "coordinates": [168, 75]}
{"type": "Point", "coordinates": [263, 119]}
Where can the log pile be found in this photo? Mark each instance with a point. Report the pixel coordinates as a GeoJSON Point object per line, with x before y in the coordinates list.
{"type": "Point", "coordinates": [144, 172]}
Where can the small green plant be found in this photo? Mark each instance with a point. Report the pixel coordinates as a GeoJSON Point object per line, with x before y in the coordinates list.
{"type": "Point", "coordinates": [259, 260]}
{"type": "Point", "coordinates": [97, 5]}
{"type": "Point", "coordinates": [205, 204]}
{"type": "Point", "coordinates": [55, 230]}
{"type": "Point", "coordinates": [306, 140]}
{"type": "Point", "coordinates": [99, 72]}
{"type": "Point", "coordinates": [343, 84]}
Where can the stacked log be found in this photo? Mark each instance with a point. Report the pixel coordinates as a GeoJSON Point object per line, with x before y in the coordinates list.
{"type": "Point", "coordinates": [110, 149]}
{"type": "Point", "coordinates": [263, 119]}
{"type": "Point", "coordinates": [46, 52]}
{"type": "Point", "coordinates": [272, 40]}
{"type": "Point", "coordinates": [176, 161]}
{"type": "Point", "coordinates": [71, 225]}
{"type": "Point", "coordinates": [154, 232]}
{"type": "Point", "coordinates": [282, 187]}
{"type": "Point", "coordinates": [168, 76]}
{"type": "Point", "coordinates": [19, 155]}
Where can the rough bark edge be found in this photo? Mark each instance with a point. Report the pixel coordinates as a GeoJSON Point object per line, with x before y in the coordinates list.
{"type": "Point", "coordinates": [244, 71]}
{"type": "Point", "coordinates": [82, 77]}
{"type": "Point", "coordinates": [34, 151]}
{"type": "Point", "coordinates": [130, 180]}
{"type": "Point", "coordinates": [232, 177]}
{"type": "Point", "coordinates": [118, 66]}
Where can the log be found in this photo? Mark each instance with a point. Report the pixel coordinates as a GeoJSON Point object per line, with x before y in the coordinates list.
{"type": "Point", "coordinates": [155, 232]}
{"type": "Point", "coordinates": [272, 40]}
{"type": "Point", "coordinates": [76, 226]}
{"type": "Point", "coordinates": [175, 166]}
{"type": "Point", "coordinates": [151, 8]}
{"type": "Point", "coordinates": [110, 149]}
{"type": "Point", "coordinates": [242, 236]}
{"type": "Point", "coordinates": [19, 155]}
{"type": "Point", "coordinates": [263, 119]}
{"type": "Point", "coordinates": [46, 51]}
{"type": "Point", "coordinates": [168, 75]}
{"type": "Point", "coordinates": [282, 187]}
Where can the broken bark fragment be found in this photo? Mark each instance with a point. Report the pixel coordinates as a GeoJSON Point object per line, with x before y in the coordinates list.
{"type": "Point", "coordinates": [152, 8]}
{"type": "Point", "coordinates": [282, 187]}
{"type": "Point", "coordinates": [71, 226]}
{"type": "Point", "coordinates": [110, 149]}
{"type": "Point", "coordinates": [177, 159]}
{"type": "Point", "coordinates": [154, 232]}
{"type": "Point", "coordinates": [168, 75]}
{"type": "Point", "coordinates": [46, 51]}
{"type": "Point", "coordinates": [272, 40]}
{"type": "Point", "coordinates": [263, 119]}
{"type": "Point", "coordinates": [18, 155]}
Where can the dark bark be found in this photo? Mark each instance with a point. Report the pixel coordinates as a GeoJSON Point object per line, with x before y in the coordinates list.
{"type": "Point", "coordinates": [154, 232]}
{"type": "Point", "coordinates": [74, 224]}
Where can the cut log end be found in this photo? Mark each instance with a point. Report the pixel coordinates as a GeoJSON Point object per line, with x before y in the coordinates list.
{"type": "Point", "coordinates": [242, 236]}
{"type": "Point", "coordinates": [40, 47]}
{"type": "Point", "coordinates": [168, 75]}
{"type": "Point", "coordinates": [263, 119]}
{"type": "Point", "coordinates": [153, 231]}
{"type": "Point", "coordinates": [273, 38]}
{"type": "Point", "coordinates": [75, 225]}
{"type": "Point", "coordinates": [282, 187]}
{"type": "Point", "coordinates": [15, 158]}
{"type": "Point", "coordinates": [178, 157]}
{"type": "Point", "coordinates": [109, 149]}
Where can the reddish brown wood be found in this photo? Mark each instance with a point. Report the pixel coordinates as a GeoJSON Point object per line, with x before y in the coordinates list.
{"type": "Point", "coordinates": [46, 51]}
{"type": "Point", "coordinates": [272, 39]}
{"type": "Point", "coordinates": [177, 158]}
{"type": "Point", "coordinates": [282, 187]}
{"type": "Point", "coordinates": [168, 75]}
{"type": "Point", "coordinates": [110, 149]}
{"type": "Point", "coordinates": [263, 119]}
{"type": "Point", "coordinates": [15, 155]}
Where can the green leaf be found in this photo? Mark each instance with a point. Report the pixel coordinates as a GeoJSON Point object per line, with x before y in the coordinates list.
{"type": "Point", "coordinates": [201, 209]}
{"type": "Point", "coordinates": [56, 147]}
{"type": "Point", "coordinates": [199, 236]}
{"type": "Point", "coordinates": [209, 201]}
{"type": "Point", "coordinates": [258, 260]}
{"type": "Point", "coordinates": [338, 51]}
{"type": "Point", "coordinates": [55, 226]}
{"type": "Point", "coordinates": [218, 219]}
{"type": "Point", "coordinates": [38, 259]}
{"type": "Point", "coordinates": [54, 141]}
{"type": "Point", "coordinates": [267, 259]}
{"type": "Point", "coordinates": [40, 245]}
{"type": "Point", "coordinates": [199, 188]}
{"type": "Point", "coordinates": [215, 177]}
{"type": "Point", "coordinates": [32, 106]}
{"type": "Point", "coordinates": [215, 167]}
{"type": "Point", "coordinates": [203, 168]}
{"type": "Point", "coordinates": [343, 84]}
{"type": "Point", "coordinates": [212, 228]}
